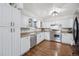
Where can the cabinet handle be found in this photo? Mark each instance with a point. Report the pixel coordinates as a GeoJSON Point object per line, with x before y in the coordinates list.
{"type": "Point", "coordinates": [11, 23]}
{"type": "Point", "coordinates": [11, 29]}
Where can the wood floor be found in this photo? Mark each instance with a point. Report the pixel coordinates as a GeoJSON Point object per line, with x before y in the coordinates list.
{"type": "Point", "coordinates": [50, 48]}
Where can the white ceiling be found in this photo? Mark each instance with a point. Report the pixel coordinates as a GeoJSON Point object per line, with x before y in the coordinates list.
{"type": "Point", "coordinates": [43, 9]}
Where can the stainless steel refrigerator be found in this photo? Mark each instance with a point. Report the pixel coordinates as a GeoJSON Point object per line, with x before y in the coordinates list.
{"type": "Point", "coordinates": [76, 30]}
{"type": "Point", "coordinates": [76, 36]}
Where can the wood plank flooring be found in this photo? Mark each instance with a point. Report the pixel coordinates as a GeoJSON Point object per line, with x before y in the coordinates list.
{"type": "Point", "coordinates": [50, 48]}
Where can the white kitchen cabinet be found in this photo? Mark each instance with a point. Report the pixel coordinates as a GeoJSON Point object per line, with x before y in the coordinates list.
{"type": "Point", "coordinates": [10, 41]}
{"type": "Point", "coordinates": [5, 15]}
{"type": "Point", "coordinates": [40, 37]}
{"type": "Point", "coordinates": [67, 38]}
{"type": "Point", "coordinates": [25, 44]}
{"type": "Point", "coordinates": [9, 16]}
{"type": "Point", "coordinates": [38, 24]}
{"type": "Point", "coordinates": [16, 17]}
{"type": "Point", "coordinates": [6, 41]}
{"type": "Point", "coordinates": [10, 32]}
{"type": "Point", "coordinates": [24, 21]}
{"type": "Point", "coordinates": [47, 35]}
{"type": "Point", "coordinates": [1, 42]}
{"type": "Point", "coordinates": [16, 41]}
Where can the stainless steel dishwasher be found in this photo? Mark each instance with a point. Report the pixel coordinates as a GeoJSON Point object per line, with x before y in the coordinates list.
{"type": "Point", "coordinates": [33, 40]}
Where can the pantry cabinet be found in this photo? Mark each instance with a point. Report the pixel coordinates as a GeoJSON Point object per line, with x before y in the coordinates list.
{"type": "Point", "coordinates": [9, 16]}
{"type": "Point", "coordinates": [16, 17]}
{"type": "Point", "coordinates": [9, 30]}
{"type": "Point", "coordinates": [16, 42]}
{"type": "Point", "coordinates": [5, 15]}
{"type": "Point", "coordinates": [10, 41]}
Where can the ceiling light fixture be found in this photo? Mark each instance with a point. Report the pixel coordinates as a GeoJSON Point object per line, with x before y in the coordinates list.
{"type": "Point", "coordinates": [55, 11]}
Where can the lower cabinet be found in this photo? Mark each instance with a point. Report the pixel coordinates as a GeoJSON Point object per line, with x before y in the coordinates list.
{"type": "Point", "coordinates": [9, 41]}
{"type": "Point", "coordinates": [40, 37]}
{"type": "Point", "coordinates": [67, 38]}
{"type": "Point", "coordinates": [47, 35]}
{"type": "Point", "coordinates": [16, 42]}
{"type": "Point", "coordinates": [6, 41]}
{"type": "Point", "coordinates": [25, 44]}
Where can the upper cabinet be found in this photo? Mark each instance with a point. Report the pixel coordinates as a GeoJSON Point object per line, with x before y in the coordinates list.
{"type": "Point", "coordinates": [25, 21]}
{"type": "Point", "coordinates": [9, 15]}
{"type": "Point", "coordinates": [5, 15]}
{"type": "Point", "coordinates": [39, 23]}
{"type": "Point", "coordinates": [16, 17]}
{"type": "Point", "coordinates": [29, 22]}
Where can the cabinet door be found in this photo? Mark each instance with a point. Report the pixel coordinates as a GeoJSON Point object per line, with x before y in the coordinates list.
{"type": "Point", "coordinates": [39, 37]}
{"type": "Point", "coordinates": [5, 15]}
{"type": "Point", "coordinates": [16, 41]}
{"type": "Point", "coordinates": [6, 41]}
{"type": "Point", "coordinates": [42, 35]}
{"type": "Point", "coordinates": [25, 44]}
{"type": "Point", "coordinates": [38, 24]}
{"type": "Point", "coordinates": [47, 36]}
{"type": "Point", "coordinates": [16, 17]}
{"type": "Point", "coordinates": [67, 38]}
{"type": "Point", "coordinates": [24, 21]}
{"type": "Point", "coordinates": [1, 42]}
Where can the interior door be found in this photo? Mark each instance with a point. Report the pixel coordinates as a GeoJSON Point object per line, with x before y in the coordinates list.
{"type": "Point", "coordinates": [16, 42]}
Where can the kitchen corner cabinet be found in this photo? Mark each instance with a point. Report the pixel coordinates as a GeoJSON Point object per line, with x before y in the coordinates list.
{"type": "Point", "coordinates": [47, 35]}
{"type": "Point", "coordinates": [25, 44]}
{"type": "Point", "coordinates": [40, 37]}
